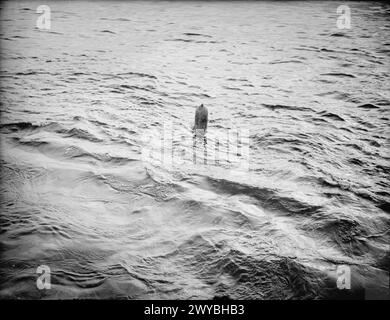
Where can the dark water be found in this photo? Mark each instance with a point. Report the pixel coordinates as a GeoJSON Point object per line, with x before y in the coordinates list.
{"type": "Point", "coordinates": [78, 196]}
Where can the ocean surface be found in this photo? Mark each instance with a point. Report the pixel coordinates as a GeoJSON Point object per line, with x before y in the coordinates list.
{"type": "Point", "coordinates": [83, 100]}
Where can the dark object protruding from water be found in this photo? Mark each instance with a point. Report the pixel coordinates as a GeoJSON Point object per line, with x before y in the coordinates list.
{"type": "Point", "coordinates": [201, 119]}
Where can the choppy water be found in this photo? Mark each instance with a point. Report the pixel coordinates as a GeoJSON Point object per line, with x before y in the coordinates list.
{"type": "Point", "coordinates": [78, 196]}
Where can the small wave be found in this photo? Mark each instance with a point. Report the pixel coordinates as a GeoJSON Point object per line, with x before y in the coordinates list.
{"type": "Point", "coordinates": [285, 61]}
{"type": "Point", "coordinates": [274, 107]}
{"type": "Point", "coordinates": [138, 74]}
{"type": "Point", "coordinates": [133, 87]}
{"type": "Point", "coordinates": [191, 41]}
{"type": "Point", "coordinates": [338, 74]}
{"type": "Point", "coordinates": [31, 143]}
{"type": "Point", "coordinates": [79, 133]}
{"type": "Point", "coordinates": [19, 37]}
{"type": "Point", "coordinates": [339, 34]}
{"type": "Point", "coordinates": [180, 40]}
{"type": "Point", "coordinates": [115, 19]}
{"type": "Point", "coordinates": [116, 91]}
{"type": "Point", "coordinates": [18, 126]}
{"type": "Point", "coordinates": [107, 31]}
{"type": "Point", "coordinates": [85, 280]}
{"type": "Point", "coordinates": [79, 74]}
{"type": "Point", "coordinates": [385, 206]}
{"type": "Point", "coordinates": [368, 106]}
{"type": "Point", "coordinates": [267, 198]}
{"type": "Point", "coordinates": [51, 127]}
{"type": "Point", "coordinates": [28, 73]}
{"type": "Point", "coordinates": [331, 115]}
{"type": "Point", "coordinates": [326, 50]}
{"type": "Point", "coordinates": [190, 34]}
{"type": "Point", "coordinates": [232, 88]}
{"type": "Point", "coordinates": [347, 233]}
{"type": "Point", "coordinates": [238, 275]}
{"type": "Point", "coordinates": [356, 161]}
{"type": "Point", "coordinates": [74, 152]}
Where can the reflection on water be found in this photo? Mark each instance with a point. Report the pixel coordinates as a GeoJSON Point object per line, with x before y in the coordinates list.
{"type": "Point", "coordinates": [289, 184]}
{"type": "Point", "coordinates": [199, 142]}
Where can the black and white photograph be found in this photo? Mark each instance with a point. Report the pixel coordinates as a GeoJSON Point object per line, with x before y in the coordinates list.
{"type": "Point", "coordinates": [186, 150]}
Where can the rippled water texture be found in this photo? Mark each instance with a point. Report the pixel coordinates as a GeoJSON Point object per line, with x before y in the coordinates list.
{"type": "Point", "coordinates": [78, 196]}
